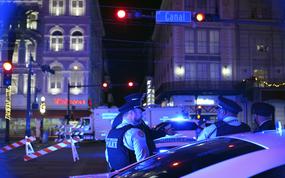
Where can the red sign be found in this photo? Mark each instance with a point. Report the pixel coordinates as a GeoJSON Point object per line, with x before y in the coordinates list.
{"type": "Point", "coordinates": [60, 101]}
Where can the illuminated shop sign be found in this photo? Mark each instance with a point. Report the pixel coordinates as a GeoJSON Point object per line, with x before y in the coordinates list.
{"type": "Point", "coordinates": [8, 103]}
{"type": "Point", "coordinates": [61, 101]}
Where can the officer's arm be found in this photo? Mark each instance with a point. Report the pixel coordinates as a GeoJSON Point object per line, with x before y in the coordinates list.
{"type": "Point", "coordinates": [206, 131]}
{"type": "Point", "coordinates": [140, 145]}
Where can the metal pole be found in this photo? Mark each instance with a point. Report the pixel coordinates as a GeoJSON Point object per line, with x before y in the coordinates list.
{"type": "Point", "coordinates": [28, 111]}
{"type": "Point", "coordinates": [68, 102]}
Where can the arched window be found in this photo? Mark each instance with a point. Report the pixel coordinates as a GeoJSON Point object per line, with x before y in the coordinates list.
{"type": "Point", "coordinates": [32, 20]}
{"type": "Point", "coordinates": [77, 7]}
{"type": "Point", "coordinates": [55, 80]}
{"type": "Point", "coordinates": [30, 50]}
{"type": "Point", "coordinates": [57, 7]}
{"type": "Point", "coordinates": [33, 83]}
{"type": "Point", "coordinates": [76, 78]}
{"type": "Point", "coordinates": [77, 41]}
{"type": "Point", "coordinates": [56, 40]}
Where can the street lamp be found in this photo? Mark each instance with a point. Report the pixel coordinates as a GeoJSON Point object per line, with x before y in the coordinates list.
{"type": "Point", "coordinates": [42, 111]}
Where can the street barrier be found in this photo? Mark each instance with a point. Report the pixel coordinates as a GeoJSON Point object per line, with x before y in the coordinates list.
{"type": "Point", "coordinates": [53, 148]}
{"type": "Point", "coordinates": [17, 144]}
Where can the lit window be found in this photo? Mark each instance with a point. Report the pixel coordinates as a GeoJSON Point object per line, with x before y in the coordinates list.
{"type": "Point", "coordinates": [30, 50]}
{"type": "Point", "coordinates": [14, 84]}
{"type": "Point", "coordinates": [76, 79]}
{"type": "Point", "coordinates": [76, 41]}
{"type": "Point", "coordinates": [57, 7]}
{"type": "Point", "coordinates": [56, 41]}
{"type": "Point", "coordinates": [77, 7]}
{"type": "Point", "coordinates": [262, 48]}
{"type": "Point", "coordinates": [33, 83]}
{"type": "Point", "coordinates": [32, 18]}
{"type": "Point", "coordinates": [15, 57]}
{"type": "Point", "coordinates": [55, 81]}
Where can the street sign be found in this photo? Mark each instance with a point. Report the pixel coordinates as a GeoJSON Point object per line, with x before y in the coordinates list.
{"type": "Point", "coordinates": [170, 17]}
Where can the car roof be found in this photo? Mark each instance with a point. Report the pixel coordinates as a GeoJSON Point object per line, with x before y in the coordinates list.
{"type": "Point", "coordinates": [267, 139]}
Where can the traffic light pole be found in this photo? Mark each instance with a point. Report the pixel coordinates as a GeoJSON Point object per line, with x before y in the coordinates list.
{"type": "Point", "coordinates": [28, 111]}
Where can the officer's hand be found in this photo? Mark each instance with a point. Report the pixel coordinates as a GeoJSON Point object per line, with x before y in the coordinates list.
{"type": "Point", "coordinates": [169, 130]}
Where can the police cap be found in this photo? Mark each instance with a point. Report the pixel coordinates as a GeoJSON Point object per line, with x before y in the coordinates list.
{"type": "Point", "coordinates": [229, 105]}
{"type": "Point", "coordinates": [262, 109]}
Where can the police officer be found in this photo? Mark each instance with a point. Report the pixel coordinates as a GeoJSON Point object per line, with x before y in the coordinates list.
{"type": "Point", "coordinates": [126, 144]}
{"type": "Point", "coordinates": [263, 115]}
{"type": "Point", "coordinates": [151, 134]}
{"type": "Point", "coordinates": [228, 123]}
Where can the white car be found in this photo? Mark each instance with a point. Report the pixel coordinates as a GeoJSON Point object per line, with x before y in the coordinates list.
{"type": "Point", "coordinates": [236, 156]}
{"type": "Point", "coordinates": [185, 134]}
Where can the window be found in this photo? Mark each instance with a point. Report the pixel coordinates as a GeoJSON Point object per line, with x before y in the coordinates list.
{"type": "Point", "coordinates": [215, 71]}
{"type": "Point", "coordinates": [33, 83]}
{"type": "Point", "coordinates": [201, 41]}
{"type": "Point", "coordinates": [214, 43]}
{"type": "Point", "coordinates": [77, 7]}
{"type": "Point", "coordinates": [14, 84]}
{"type": "Point", "coordinates": [55, 81]}
{"type": "Point", "coordinates": [56, 41]}
{"type": "Point", "coordinates": [30, 50]}
{"type": "Point", "coordinates": [76, 78]}
{"type": "Point", "coordinates": [77, 41]}
{"type": "Point", "coordinates": [274, 172]}
{"type": "Point", "coordinates": [15, 58]}
{"type": "Point", "coordinates": [189, 41]}
{"type": "Point", "coordinates": [57, 7]}
{"type": "Point", "coordinates": [32, 19]}
{"type": "Point", "coordinates": [202, 71]}
{"type": "Point", "coordinates": [190, 71]}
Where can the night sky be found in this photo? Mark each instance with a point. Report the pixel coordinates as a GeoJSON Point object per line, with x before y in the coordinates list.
{"type": "Point", "coordinates": [126, 43]}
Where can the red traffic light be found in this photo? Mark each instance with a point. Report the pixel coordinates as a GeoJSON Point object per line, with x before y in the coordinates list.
{"type": "Point", "coordinates": [121, 14]}
{"type": "Point", "coordinates": [105, 85]}
{"type": "Point", "coordinates": [130, 84]}
{"type": "Point", "coordinates": [7, 66]}
{"type": "Point", "coordinates": [200, 17]}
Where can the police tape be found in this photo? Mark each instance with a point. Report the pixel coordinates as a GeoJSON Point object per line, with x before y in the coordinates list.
{"type": "Point", "coordinates": [17, 144]}
{"type": "Point", "coordinates": [50, 149]}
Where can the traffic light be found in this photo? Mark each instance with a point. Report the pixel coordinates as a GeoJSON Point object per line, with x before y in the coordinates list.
{"type": "Point", "coordinates": [202, 17]}
{"type": "Point", "coordinates": [198, 112]}
{"type": "Point", "coordinates": [130, 84]}
{"type": "Point", "coordinates": [121, 14]}
{"type": "Point", "coordinates": [199, 17]}
{"type": "Point", "coordinates": [7, 73]}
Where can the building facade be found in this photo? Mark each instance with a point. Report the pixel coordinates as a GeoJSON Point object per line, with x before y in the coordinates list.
{"type": "Point", "coordinates": [243, 40]}
{"type": "Point", "coordinates": [64, 36]}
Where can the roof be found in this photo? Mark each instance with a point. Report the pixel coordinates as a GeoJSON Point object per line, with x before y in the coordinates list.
{"type": "Point", "coordinates": [267, 139]}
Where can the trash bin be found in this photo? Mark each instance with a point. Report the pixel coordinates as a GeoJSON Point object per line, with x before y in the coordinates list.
{"type": "Point", "coordinates": [45, 137]}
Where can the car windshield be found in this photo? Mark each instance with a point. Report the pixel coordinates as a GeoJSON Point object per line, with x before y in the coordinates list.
{"type": "Point", "coordinates": [186, 159]}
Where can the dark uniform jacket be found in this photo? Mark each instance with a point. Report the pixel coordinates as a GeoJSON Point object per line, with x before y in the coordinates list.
{"type": "Point", "coordinates": [268, 125]}
{"type": "Point", "coordinates": [224, 128]}
{"type": "Point", "coordinates": [119, 156]}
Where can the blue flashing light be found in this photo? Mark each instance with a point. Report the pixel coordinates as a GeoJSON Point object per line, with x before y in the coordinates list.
{"type": "Point", "coordinates": [162, 150]}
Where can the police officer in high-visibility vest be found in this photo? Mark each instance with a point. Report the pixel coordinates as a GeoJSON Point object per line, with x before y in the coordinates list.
{"type": "Point", "coordinates": [126, 144]}
{"type": "Point", "coordinates": [228, 123]}
{"type": "Point", "coordinates": [151, 134]}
